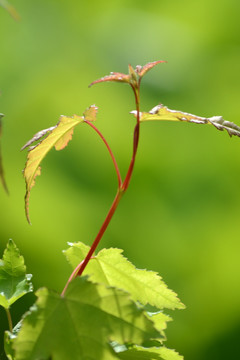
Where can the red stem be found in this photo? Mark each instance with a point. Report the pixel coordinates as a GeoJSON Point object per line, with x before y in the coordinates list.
{"type": "Point", "coordinates": [80, 268]}
{"type": "Point", "coordinates": [109, 150]}
{"type": "Point", "coordinates": [121, 189]}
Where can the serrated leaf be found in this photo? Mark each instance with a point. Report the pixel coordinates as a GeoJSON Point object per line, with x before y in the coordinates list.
{"type": "Point", "coordinates": [110, 267]}
{"type": "Point", "coordinates": [14, 282]}
{"type": "Point", "coordinates": [90, 113]}
{"type": "Point", "coordinates": [12, 11]}
{"type": "Point", "coordinates": [58, 137]}
{"type": "Point", "coordinates": [161, 112]}
{"type": "Point", "coordinates": [81, 324]}
{"type": "Point", "coordinates": [160, 320]}
{"type": "Point", "coordinates": [2, 177]}
{"type": "Point", "coordinates": [153, 353]}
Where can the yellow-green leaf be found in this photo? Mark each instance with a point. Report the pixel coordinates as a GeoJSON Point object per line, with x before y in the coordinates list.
{"type": "Point", "coordinates": [58, 137]}
{"type": "Point", "coordinates": [90, 113]}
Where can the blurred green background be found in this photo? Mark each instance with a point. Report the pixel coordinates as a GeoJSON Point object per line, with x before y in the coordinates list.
{"type": "Point", "coordinates": [181, 214]}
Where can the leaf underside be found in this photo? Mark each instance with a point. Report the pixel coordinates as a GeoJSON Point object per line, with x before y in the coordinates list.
{"type": "Point", "coordinates": [2, 177]}
{"type": "Point", "coordinates": [161, 112]}
{"type": "Point", "coordinates": [111, 268]}
{"type": "Point", "coordinates": [81, 324]}
{"type": "Point", "coordinates": [14, 282]}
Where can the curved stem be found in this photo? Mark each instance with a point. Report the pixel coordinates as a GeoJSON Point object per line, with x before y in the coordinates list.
{"type": "Point", "coordinates": [109, 150]}
{"type": "Point", "coordinates": [121, 189]}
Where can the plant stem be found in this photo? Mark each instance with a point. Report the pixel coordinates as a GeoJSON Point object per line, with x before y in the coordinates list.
{"type": "Point", "coordinates": [9, 320]}
{"type": "Point", "coordinates": [109, 150]}
{"type": "Point", "coordinates": [122, 187]}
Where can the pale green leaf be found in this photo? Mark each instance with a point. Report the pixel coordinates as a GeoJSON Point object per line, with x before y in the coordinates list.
{"type": "Point", "coordinates": [161, 112]}
{"type": "Point", "coordinates": [14, 282]}
{"type": "Point", "coordinates": [58, 136]}
{"type": "Point", "coordinates": [153, 353]}
{"type": "Point", "coordinates": [81, 324]}
{"type": "Point", "coordinates": [110, 267]}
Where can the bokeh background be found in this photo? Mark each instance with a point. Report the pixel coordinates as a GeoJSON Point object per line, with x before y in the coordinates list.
{"type": "Point", "coordinates": [181, 214]}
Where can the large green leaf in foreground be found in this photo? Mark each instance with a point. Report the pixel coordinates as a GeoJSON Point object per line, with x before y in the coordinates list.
{"type": "Point", "coordinates": [81, 324]}
{"type": "Point", "coordinates": [110, 267]}
{"type": "Point", "coordinates": [14, 282]}
{"type": "Point", "coordinates": [162, 113]}
{"type": "Point", "coordinates": [154, 353]}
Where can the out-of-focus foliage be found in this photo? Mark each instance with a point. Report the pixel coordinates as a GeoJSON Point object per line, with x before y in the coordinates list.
{"type": "Point", "coordinates": [14, 282]}
{"type": "Point", "coordinates": [184, 195]}
{"type": "Point", "coordinates": [12, 11]}
{"type": "Point", "coordinates": [2, 176]}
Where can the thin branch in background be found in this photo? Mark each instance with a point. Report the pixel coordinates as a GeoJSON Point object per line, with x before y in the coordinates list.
{"type": "Point", "coordinates": [10, 9]}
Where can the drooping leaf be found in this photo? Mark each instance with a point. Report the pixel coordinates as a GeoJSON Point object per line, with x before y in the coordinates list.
{"type": "Point", "coordinates": [131, 77]}
{"type": "Point", "coordinates": [81, 324]}
{"type": "Point", "coordinates": [2, 177]}
{"type": "Point", "coordinates": [153, 353]}
{"type": "Point", "coordinates": [58, 137]}
{"type": "Point", "coordinates": [110, 267]}
{"type": "Point", "coordinates": [161, 112]}
{"type": "Point", "coordinates": [14, 282]}
{"type": "Point", "coordinates": [12, 11]}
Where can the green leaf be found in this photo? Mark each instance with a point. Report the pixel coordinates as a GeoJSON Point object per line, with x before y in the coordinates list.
{"type": "Point", "coordinates": [9, 338]}
{"type": "Point", "coordinates": [12, 11]}
{"type": "Point", "coordinates": [81, 324]}
{"type": "Point", "coordinates": [153, 353]}
{"type": "Point", "coordinates": [161, 112]}
{"type": "Point", "coordinates": [8, 345]}
{"type": "Point", "coordinates": [110, 267]}
{"type": "Point", "coordinates": [14, 282]}
{"type": "Point", "coordinates": [2, 177]}
{"type": "Point", "coordinates": [58, 137]}
{"type": "Point", "coordinates": [160, 321]}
